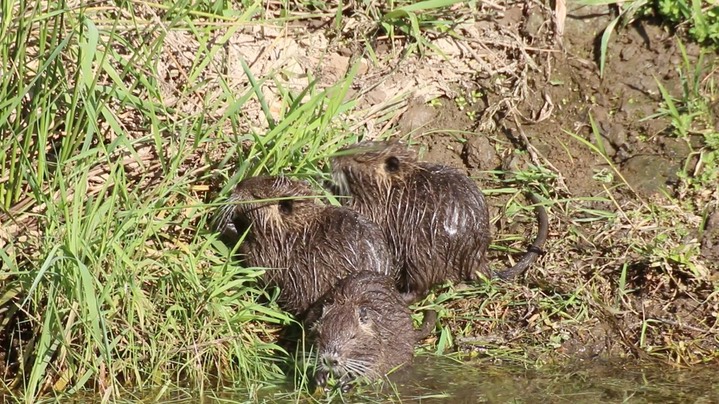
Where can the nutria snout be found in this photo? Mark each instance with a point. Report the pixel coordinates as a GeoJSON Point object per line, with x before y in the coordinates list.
{"type": "Point", "coordinates": [306, 246]}
{"type": "Point", "coordinates": [435, 218]}
{"type": "Point", "coordinates": [363, 328]}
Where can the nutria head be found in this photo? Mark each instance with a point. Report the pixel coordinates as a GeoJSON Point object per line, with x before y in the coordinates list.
{"type": "Point", "coordinates": [306, 246]}
{"type": "Point", "coordinates": [274, 204]}
{"type": "Point", "coordinates": [370, 169]}
{"type": "Point", "coordinates": [362, 328]}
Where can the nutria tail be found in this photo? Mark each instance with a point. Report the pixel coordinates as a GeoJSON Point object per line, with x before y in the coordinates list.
{"type": "Point", "coordinates": [428, 323]}
{"type": "Point", "coordinates": [535, 249]}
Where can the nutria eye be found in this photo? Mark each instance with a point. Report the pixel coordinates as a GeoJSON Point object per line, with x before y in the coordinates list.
{"type": "Point", "coordinates": [363, 315]}
{"type": "Point", "coordinates": [285, 207]}
{"type": "Point", "coordinates": [326, 306]}
{"type": "Point", "coordinates": [391, 164]}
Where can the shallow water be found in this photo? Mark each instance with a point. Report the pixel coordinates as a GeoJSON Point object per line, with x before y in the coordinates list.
{"type": "Point", "coordinates": [435, 379]}
{"type": "Point", "coordinates": [440, 380]}
{"type": "Point", "coordinates": [580, 383]}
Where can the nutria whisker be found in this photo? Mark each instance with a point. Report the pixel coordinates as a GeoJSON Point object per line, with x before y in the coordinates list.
{"type": "Point", "coordinates": [356, 368]}
{"type": "Point", "coordinates": [221, 219]}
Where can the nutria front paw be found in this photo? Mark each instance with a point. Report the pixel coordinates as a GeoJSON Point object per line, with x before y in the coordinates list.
{"type": "Point", "coordinates": [346, 386]}
{"type": "Point", "coordinates": [321, 378]}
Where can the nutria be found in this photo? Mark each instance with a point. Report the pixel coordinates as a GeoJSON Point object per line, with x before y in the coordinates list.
{"type": "Point", "coordinates": [435, 218]}
{"type": "Point", "coordinates": [306, 246]}
{"type": "Point", "coordinates": [363, 328]}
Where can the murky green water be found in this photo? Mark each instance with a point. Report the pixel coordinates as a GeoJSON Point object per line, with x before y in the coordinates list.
{"type": "Point", "coordinates": [441, 380]}
{"type": "Point", "coordinates": [580, 383]}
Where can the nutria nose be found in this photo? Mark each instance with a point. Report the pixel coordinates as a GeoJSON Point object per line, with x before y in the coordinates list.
{"type": "Point", "coordinates": [330, 361]}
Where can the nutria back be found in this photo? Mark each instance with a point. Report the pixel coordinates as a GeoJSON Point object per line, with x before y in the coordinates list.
{"type": "Point", "coordinates": [435, 218]}
{"type": "Point", "coordinates": [306, 246]}
{"type": "Point", "coordinates": [362, 327]}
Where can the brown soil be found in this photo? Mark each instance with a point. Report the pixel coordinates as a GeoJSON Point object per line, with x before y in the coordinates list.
{"type": "Point", "coordinates": [631, 262]}
{"type": "Point", "coordinates": [584, 264]}
{"type": "Point", "coordinates": [630, 267]}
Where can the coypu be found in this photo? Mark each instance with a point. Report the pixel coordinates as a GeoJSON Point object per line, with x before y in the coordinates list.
{"type": "Point", "coordinates": [363, 328]}
{"type": "Point", "coordinates": [306, 246]}
{"type": "Point", "coordinates": [435, 218]}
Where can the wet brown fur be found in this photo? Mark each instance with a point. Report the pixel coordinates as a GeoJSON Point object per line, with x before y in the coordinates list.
{"type": "Point", "coordinates": [362, 327]}
{"type": "Point", "coordinates": [306, 246]}
{"type": "Point", "coordinates": [435, 218]}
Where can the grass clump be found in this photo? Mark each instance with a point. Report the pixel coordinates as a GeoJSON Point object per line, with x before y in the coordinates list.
{"type": "Point", "coordinates": [110, 278]}
{"type": "Point", "coordinates": [693, 121]}
{"type": "Point", "coordinates": [700, 18]}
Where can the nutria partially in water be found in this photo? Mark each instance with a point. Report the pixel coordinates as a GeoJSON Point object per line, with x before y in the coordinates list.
{"type": "Point", "coordinates": [435, 218]}
{"type": "Point", "coordinates": [362, 327]}
{"type": "Point", "coordinates": [306, 246]}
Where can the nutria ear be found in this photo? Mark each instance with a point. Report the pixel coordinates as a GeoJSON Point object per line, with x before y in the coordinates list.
{"type": "Point", "coordinates": [391, 164]}
{"type": "Point", "coordinates": [285, 206]}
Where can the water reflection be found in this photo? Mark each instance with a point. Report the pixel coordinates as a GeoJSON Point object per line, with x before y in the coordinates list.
{"type": "Point", "coordinates": [595, 382]}
{"type": "Point", "coordinates": [435, 379]}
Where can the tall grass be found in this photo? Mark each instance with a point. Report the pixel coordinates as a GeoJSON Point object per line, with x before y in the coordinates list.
{"type": "Point", "coordinates": [110, 276]}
